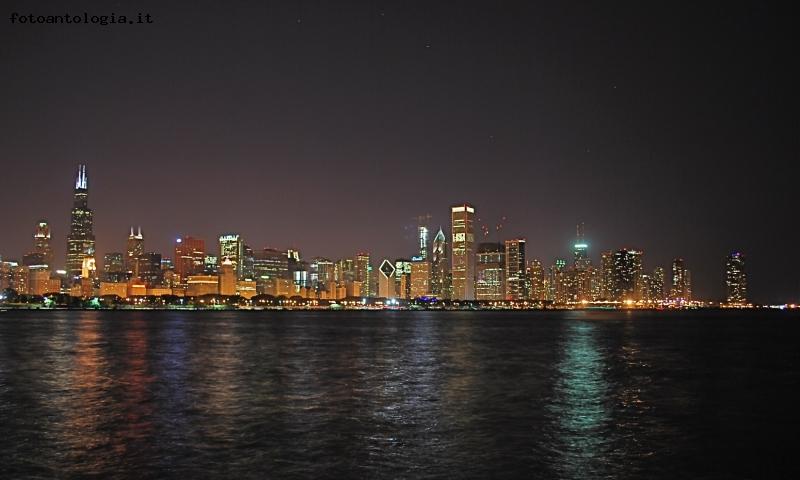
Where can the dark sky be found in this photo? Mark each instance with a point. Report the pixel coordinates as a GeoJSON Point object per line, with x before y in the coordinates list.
{"type": "Point", "coordinates": [328, 125]}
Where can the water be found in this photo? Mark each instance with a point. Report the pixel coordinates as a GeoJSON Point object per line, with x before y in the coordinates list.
{"type": "Point", "coordinates": [399, 394]}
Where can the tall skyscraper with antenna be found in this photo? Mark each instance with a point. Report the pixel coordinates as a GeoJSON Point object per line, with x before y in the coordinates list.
{"type": "Point", "coordinates": [80, 241]}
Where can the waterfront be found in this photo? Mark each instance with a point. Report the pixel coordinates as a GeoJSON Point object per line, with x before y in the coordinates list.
{"type": "Point", "coordinates": [570, 394]}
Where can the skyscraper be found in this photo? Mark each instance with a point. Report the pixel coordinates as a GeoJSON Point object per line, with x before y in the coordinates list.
{"type": "Point", "coordinates": [189, 255]}
{"type": "Point", "coordinates": [114, 267]}
{"type": "Point", "coordinates": [463, 252]}
{"type": "Point", "coordinates": [80, 241]}
{"type": "Point", "coordinates": [440, 267]}
{"type": "Point", "coordinates": [680, 291]}
{"type": "Point", "coordinates": [420, 277]}
{"type": "Point", "coordinates": [627, 269]}
{"type": "Point", "coordinates": [536, 280]}
{"type": "Point", "coordinates": [134, 249]}
{"type": "Point", "coordinates": [490, 270]}
{"type": "Point", "coordinates": [516, 281]}
{"type": "Point", "coordinates": [231, 246]}
{"type": "Point", "coordinates": [386, 283]}
{"type": "Point", "coordinates": [41, 242]}
{"type": "Point", "coordinates": [363, 271]}
{"type": "Point", "coordinates": [736, 279]}
{"type": "Point", "coordinates": [581, 250]}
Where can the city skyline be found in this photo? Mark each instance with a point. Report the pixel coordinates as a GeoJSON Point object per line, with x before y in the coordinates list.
{"type": "Point", "coordinates": [296, 119]}
{"type": "Point", "coordinates": [503, 272]}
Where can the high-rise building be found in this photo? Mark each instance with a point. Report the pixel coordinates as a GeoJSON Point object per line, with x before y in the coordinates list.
{"type": "Point", "coordinates": [490, 270]}
{"type": "Point", "coordinates": [581, 250]}
{"type": "Point", "coordinates": [114, 268]}
{"type": "Point", "coordinates": [189, 257]}
{"type": "Point", "coordinates": [149, 269]}
{"type": "Point", "coordinates": [134, 248]}
{"type": "Point", "coordinates": [627, 269]}
{"type": "Point", "coordinates": [657, 285]}
{"type": "Point", "coordinates": [536, 281]}
{"type": "Point", "coordinates": [41, 242]}
{"type": "Point", "coordinates": [516, 281]}
{"type": "Point", "coordinates": [420, 277]}
{"type": "Point", "coordinates": [227, 277]}
{"type": "Point", "coordinates": [402, 277]}
{"type": "Point", "coordinates": [736, 279]}
{"type": "Point", "coordinates": [322, 272]}
{"type": "Point", "coordinates": [231, 246]}
{"type": "Point", "coordinates": [680, 291]}
{"type": "Point", "coordinates": [387, 287]}
{"type": "Point", "coordinates": [363, 271]}
{"type": "Point", "coordinates": [440, 267]}
{"type": "Point", "coordinates": [463, 252]}
{"type": "Point", "coordinates": [607, 276]}
{"type": "Point", "coordinates": [80, 241]}
{"type": "Point", "coordinates": [269, 266]}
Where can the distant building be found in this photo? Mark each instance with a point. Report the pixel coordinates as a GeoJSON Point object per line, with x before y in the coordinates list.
{"type": "Point", "coordinates": [440, 267]}
{"type": "Point", "coordinates": [231, 246]}
{"type": "Point", "coordinates": [134, 249]}
{"type": "Point", "coordinates": [41, 243]}
{"type": "Point", "coordinates": [463, 252]}
{"type": "Point", "coordinates": [387, 287]}
{"type": "Point", "coordinates": [736, 279]}
{"type": "Point", "coordinates": [681, 289]}
{"type": "Point", "coordinates": [490, 270]}
{"type": "Point", "coordinates": [149, 269]}
{"type": "Point", "coordinates": [536, 279]}
{"type": "Point", "coordinates": [227, 277]}
{"type": "Point", "coordinates": [197, 285]}
{"type": "Point", "coordinates": [627, 269]}
{"type": "Point", "coordinates": [515, 281]}
{"type": "Point", "coordinates": [363, 274]}
{"type": "Point", "coordinates": [420, 277]}
{"type": "Point", "coordinates": [189, 257]}
{"type": "Point", "coordinates": [114, 268]}
{"type": "Point", "coordinates": [80, 241]}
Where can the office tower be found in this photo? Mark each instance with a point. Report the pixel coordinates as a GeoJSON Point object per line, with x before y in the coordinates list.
{"type": "Point", "coordinates": [34, 259]}
{"type": "Point", "coordinates": [627, 269]}
{"type": "Point", "coordinates": [422, 236]}
{"type": "Point", "coordinates": [269, 266]}
{"type": "Point", "coordinates": [134, 249]}
{"type": "Point", "coordinates": [490, 271]}
{"type": "Point", "coordinates": [736, 279]}
{"type": "Point", "coordinates": [386, 283]}
{"type": "Point", "coordinates": [322, 272]}
{"type": "Point", "coordinates": [536, 281]}
{"type": "Point", "coordinates": [149, 269]}
{"type": "Point", "coordinates": [581, 250]}
{"type": "Point", "coordinates": [227, 277]}
{"type": "Point", "coordinates": [41, 243]}
{"type": "Point", "coordinates": [210, 265]}
{"type": "Point", "coordinates": [680, 291]}
{"type": "Point", "coordinates": [657, 285]}
{"type": "Point", "coordinates": [80, 241]}
{"type": "Point", "coordinates": [363, 271]}
{"type": "Point", "coordinates": [114, 268]}
{"type": "Point", "coordinates": [440, 267]}
{"type": "Point", "coordinates": [462, 265]}
{"type": "Point", "coordinates": [39, 280]}
{"type": "Point", "coordinates": [607, 275]}
{"type": "Point", "coordinates": [420, 277]}
{"type": "Point", "coordinates": [345, 271]}
{"type": "Point", "coordinates": [402, 277]}
{"type": "Point", "coordinates": [189, 257]}
{"type": "Point", "coordinates": [516, 281]}
{"type": "Point", "coordinates": [558, 282]}
{"type": "Point", "coordinates": [231, 246]}
{"type": "Point", "coordinates": [300, 274]}
{"type": "Point", "coordinates": [248, 261]}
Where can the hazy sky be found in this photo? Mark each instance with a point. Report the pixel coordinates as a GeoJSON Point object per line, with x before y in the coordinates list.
{"type": "Point", "coordinates": [328, 126]}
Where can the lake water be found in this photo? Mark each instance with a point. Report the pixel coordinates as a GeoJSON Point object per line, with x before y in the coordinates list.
{"type": "Point", "coordinates": [399, 394]}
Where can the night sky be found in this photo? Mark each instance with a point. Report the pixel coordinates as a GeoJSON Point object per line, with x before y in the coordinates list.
{"type": "Point", "coordinates": [328, 126]}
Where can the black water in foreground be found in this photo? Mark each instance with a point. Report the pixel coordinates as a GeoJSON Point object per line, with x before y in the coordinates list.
{"type": "Point", "coordinates": [399, 394]}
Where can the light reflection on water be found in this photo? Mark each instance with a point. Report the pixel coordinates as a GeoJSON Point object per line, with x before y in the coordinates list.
{"type": "Point", "coordinates": [393, 394]}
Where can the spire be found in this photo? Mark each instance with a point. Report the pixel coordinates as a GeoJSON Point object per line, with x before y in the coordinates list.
{"type": "Point", "coordinates": [131, 232]}
{"type": "Point", "coordinates": [439, 236]}
{"type": "Point", "coordinates": [140, 232]}
{"type": "Point", "coordinates": [81, 181]}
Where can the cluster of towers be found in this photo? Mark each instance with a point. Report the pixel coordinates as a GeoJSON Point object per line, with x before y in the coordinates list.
{"type": "Point", "coordinates": [449, 266]}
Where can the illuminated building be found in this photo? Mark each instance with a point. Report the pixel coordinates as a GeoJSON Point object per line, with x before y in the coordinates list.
{"type": "Point", "coordinates": [149, 269]}
{"type": "Point", "coordinates": [581, 250]}
{"type": "Point", "coordinates": [681, 289]}
{"type": "Point", "coordinates": [227, 277]}
{"type": "Point", "coordinates": [516, 280]}
{"type": "Point", "coordinates": [41, 243]}
{"type": "Point", "coordinates": [322, 271]}
{"type": "Point", "coordinates": [462, 254]}
{"type": "Point", "coordinates": [490, 272]}
{"type": "Point", "coordinates": [134, 248]}
{"type": "Point", "coordinates": [248, 263]}
{"type": "Point", "coordinates": [39, 280]}
{"type": "Point", "coordinates": [345, 271]}
{"type": "Point", "coordinates": [387, 287]}
{"type": "Point", "coordinates": [536, 279]}
{"type": "Point", "coordinates": [363, 271]}
{"type": "Point", "coordinates": [607, 275]}
{"type": "Point", "coordinates": [736, 279]}
{"type": "Point", "coordinates": [627, 269]}
{"type": "Point", "coordinates": [119, 289]}
{"type": "Point", "coordinates": [269, 265]}
{"type": "Point", "coordinates": [34, 259]}
{"type": "Point", "coordinates": [440, 267]}
{"type": "Point", "coordinates": [189, 257]}
{"type": "Point", "coordinates": [18, 278]}
{"type": "Point", "coordinates": [114, 268]}
{"type": "Point", "coordinates": [80, 241]}
{"type": "Point", "coordinates": [231, 246]}
{"type": "Point", "coordinates": [420, 277]}
{"type": "Point", "coordinates": [422, 237]}
{"type": "Point", "coordinates": [210, 265]}
{"type": "Point", "coordinates": [300, 274]}
{"type": "Point", "coordinates": [197, 285]}
{"type": "Point", "coordinates": [402, 276]}
{"type": "Point", "coordinates": [657, 285]}
{"type": "Point", "coordinates": [246, 288]}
